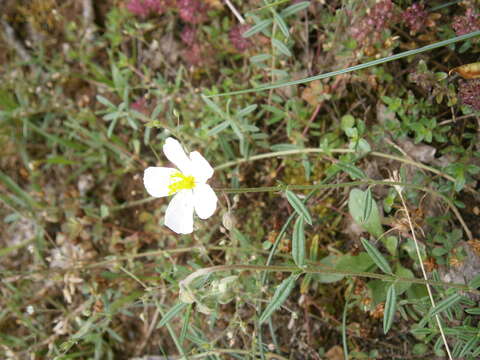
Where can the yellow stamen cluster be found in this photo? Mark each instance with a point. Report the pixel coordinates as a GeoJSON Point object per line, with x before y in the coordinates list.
{"type": "Point", "coordinates": [179, 181]}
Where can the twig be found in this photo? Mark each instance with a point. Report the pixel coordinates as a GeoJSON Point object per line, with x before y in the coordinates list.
{"type": "Point", "coordinates": [430, 295]}
{"type": "Point", "coordinates": [12, 40]}
{"type": "Point", "coordinates": [235, 12]}
{"type": "Point", "coordinates": [150, 330]}
{"type": "Point", "coordinates": [88, 19]}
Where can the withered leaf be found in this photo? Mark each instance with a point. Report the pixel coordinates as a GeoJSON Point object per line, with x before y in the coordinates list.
{"type": "Point", "coordinates": [468, 71]}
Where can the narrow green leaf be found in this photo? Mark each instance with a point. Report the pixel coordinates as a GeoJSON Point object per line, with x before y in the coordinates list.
{"type": "Point", "coordinates": [390, 307]}
{"type": "Point", "coordinates": [186, 324]}
{"type": "Point", "coordinates": [111, 127]}
{"type": "Point", "coordinates": [367, 206]}
{"type": "Point", "coordinates": [214, 107]}
{"type": "Point", "coordinates": [260, 58]}
{"type": "Point", "coordinates": [13, 187]}
{"type": "Point", "coordinates": [475, 282]}
{"type": "Point", "coordinates": [260, 26]}
{"type": "Point", "coordinates": [298, 242]}
{"type": "Point", "coordinates": [246, 110]}
{"type": "Point", "coordinates": [174, 311]}
{"type": "Point", "coordinates": [354, 172]}
{"type": "Point", "coordinates": [281, 24]}
{"type": "Point", "coordinates": [60, 160]}
{"type": "Point", "coordinates": [299, 206]}
{"type": "Point", "coordinates": [105, 101]}
{"type": "Point", "coordinates": [219, 128]}
{"type": "Point", "coordinates": [118, 79]}
{"type": "Point", "coordinates": [119, 303]}
{"type": "Point", "coordinates": [445, 304]}
{"type": "Point", "coordinates": [376, 256]}
{"type": "Point", "coordinates": [279, 297]}
{"type": "Point", "coordinates": [469, 345]}
{"type": "Point", "coordinates": [280, 73]}
{"type": "Point", "coordinates": [284, 147]}
{"type": "Point", "coordinates": [280, 46]}
{"type": "Point", "coordinates": [473, 311]}
{"type": "Point", "coordinates": [292, 9]}
{"type": "Point", "coordinates": [54, 138]}
{"type": "Point", "coordinates": [112, 116]}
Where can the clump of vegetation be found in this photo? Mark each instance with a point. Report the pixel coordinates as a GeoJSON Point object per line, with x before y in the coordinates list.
{"type": "Point", "coordinates": [344, 141]}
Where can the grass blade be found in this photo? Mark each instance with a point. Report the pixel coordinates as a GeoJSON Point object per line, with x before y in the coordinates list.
{"type": "Point", "coordinates": [356, 67]}
{"type": "Point", "coordinates": [12, 185]}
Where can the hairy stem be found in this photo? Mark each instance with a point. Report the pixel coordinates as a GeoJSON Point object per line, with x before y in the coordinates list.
{"type": "Point", "coordinates": [319, 269]}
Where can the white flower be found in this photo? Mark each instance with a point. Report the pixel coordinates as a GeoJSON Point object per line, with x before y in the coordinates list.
{"type": "Point", "coordinates": [188, 184]}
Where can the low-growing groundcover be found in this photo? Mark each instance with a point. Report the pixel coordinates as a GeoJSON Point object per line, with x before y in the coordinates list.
{"type": "Point", "coordinates": [343, 136]}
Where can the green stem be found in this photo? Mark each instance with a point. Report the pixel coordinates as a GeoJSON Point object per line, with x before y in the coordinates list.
{"type": "Point", "coordinates": [348, 184]}
{"type": "Point", "coordinates": [304, 151]}
{"type": "Point", "coordinates": [210, 353]}
{"type": "Point", "coordinates": [338, 151]}
{"type": "Point", "coordinates": [324, 270]}
{"type": "Point", "coordinates": [280, 188]}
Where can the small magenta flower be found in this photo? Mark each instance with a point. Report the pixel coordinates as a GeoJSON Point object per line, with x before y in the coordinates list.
{"type": "Point", "coordinates": [187, 184]}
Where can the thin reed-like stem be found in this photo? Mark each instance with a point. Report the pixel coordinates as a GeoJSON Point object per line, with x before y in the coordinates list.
{"type": "Point", "coordinates": [356, 67]}
{"type": "Point", "coordinates": [424, 273]}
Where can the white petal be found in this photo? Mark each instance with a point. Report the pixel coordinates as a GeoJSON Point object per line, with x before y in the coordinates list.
{"type": "Point", "coordinates": [179, 214]}
{"type": "Point", "coordinates": [201, 169]}
{"type": "Point", "coordinates": [205, 201]}
{"type": "Point", "coordinates": [157, 180]}
{"type": "Point", "coordinates": [174, 152]}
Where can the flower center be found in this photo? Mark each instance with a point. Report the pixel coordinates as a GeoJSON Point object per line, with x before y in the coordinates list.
{"type": "Point", "coordinates": [178, 182]}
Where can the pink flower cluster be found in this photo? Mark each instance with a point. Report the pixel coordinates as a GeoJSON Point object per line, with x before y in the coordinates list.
{"type": "Point", "coordinates": [145, 8]}
{"type": "Point", "coordinates": [236, 38]}
{"type": "Point", "coordinates": [378, 18]}
{"type": "Point", "coordinates": [193, 54]}
{"type": "Point", "coordinates": [188, 35]}
{"type": "Point", "coordinates": [192, 11]}
{"type": "Point", "coordinates": [415, 17]}
{"type": "Point", "coordinates": [466, 24]}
